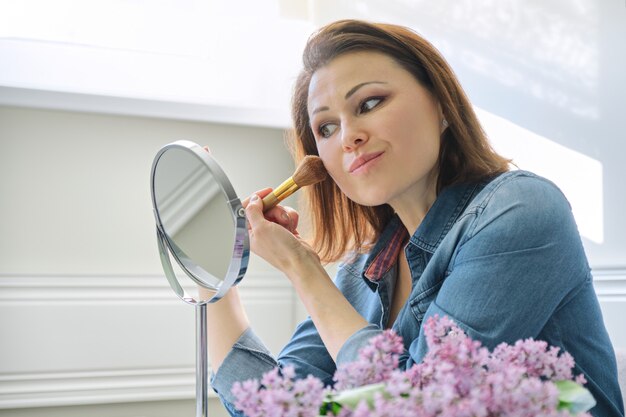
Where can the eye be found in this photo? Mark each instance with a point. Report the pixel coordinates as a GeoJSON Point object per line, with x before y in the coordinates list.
{"type": "Point", "coordinates": [370, 104]}
{"type": "Point", "coordinates": [326, 130]}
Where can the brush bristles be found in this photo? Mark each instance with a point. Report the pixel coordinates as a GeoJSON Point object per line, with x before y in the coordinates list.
{"type": "Point", "coordinates": [310, 171]}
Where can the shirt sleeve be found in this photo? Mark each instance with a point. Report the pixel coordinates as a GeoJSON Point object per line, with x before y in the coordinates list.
{"type": "Point", "coordinates": [250, 359]}
{"type": "Point", "coordinates": [517, 263]}
{"type": "Point", "coordinates": [349, 351]}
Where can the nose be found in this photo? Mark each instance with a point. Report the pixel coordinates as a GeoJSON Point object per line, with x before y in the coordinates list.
{"type": "Point", "coordinates": [353, 136]}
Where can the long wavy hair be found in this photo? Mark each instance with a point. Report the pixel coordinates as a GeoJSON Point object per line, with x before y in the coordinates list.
{"type": "Point", "coordinates": [339, 225]}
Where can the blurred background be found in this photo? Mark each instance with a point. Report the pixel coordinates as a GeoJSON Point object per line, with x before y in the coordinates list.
{"type": "Point", "coordinates": [91, 89]}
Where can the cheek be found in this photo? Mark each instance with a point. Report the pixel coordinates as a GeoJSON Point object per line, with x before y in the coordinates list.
{"type": "Point", "coordinates": [332, 160]}
{"type": "Point", "coordinates": [333, 163]}
{"type": "Point", "coordinates": [334, 170]}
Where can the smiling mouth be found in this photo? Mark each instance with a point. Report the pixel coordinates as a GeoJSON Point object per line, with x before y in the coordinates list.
{"type": "Point", "coordinates": [363, 160]}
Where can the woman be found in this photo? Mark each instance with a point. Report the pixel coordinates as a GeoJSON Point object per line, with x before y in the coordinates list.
{"type": "Point", "coordinates": [426, 218]}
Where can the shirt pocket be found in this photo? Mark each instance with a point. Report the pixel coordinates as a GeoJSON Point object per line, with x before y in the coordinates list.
{"type": "Point", "coordinates": [420, 303]}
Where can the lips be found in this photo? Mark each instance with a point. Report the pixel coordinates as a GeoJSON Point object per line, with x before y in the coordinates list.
{"type": "Point", "coordinates": [362, 160]}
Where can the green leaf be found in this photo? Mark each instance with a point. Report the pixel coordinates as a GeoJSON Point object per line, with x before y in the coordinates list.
{"type": "Point", "coordinates": [574, 397]}
{"type": "Point", "coordinates": [329, 406]}
{"type": "Point", "coordinates": [352, 397]}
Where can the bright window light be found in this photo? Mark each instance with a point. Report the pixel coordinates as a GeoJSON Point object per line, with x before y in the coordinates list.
{"type": "Point", "coordinates": [166, 26]}
{"type": "Point", "coordinates": [577, 175]}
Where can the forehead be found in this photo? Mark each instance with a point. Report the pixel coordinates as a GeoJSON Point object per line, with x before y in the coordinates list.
{"type": "Point", "coordinates": [348, 70]}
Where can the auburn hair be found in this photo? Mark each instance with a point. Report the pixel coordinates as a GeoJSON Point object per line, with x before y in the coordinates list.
{"type": "Point", "coordinates": [339, 225]}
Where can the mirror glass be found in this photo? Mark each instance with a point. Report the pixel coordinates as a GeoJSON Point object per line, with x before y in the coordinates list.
{"type": "Point", "coordinates": [200, 223]}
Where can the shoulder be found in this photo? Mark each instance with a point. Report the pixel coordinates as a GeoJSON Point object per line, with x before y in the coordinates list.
{"type": "Point", "coordinates": [522, 187]}
{"type": "Point", "coordinates": [523, 205]}
{"type": "Point", "coordinates": [522, 193]}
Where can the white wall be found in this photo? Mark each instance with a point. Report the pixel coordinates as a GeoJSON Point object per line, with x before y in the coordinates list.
{"type": "Point", "coordinates": [79, 272]}
{"type": "Point", "coordinates": [86, 315]}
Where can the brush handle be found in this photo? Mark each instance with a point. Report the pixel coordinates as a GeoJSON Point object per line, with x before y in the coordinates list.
{"type": "Point", "coordinates": [269, 201]}
{"type": "Point", "coordinates": [281, 192]}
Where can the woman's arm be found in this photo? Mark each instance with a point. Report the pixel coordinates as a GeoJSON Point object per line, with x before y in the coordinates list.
{"type": "Point", "coordinates": [334, 317]}
{"type": "Point", "coordinates": [520, 271]}
{"type": "Point", "coordinates": [516, 264]}
{"type": "Point", "coordinates": [510, 263]}
{"type": "Point", "coordinates": [226, 322]}
{"type": "Point", "coordinates": [236, 353]}
{"type": "Point", "coordinates": [279, 244]}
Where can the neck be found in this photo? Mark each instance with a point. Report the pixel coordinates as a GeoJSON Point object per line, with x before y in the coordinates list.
{"type": "Point", "coordinates": [412, 207]}
{"type": "Point", "coordinates": [412, 217]}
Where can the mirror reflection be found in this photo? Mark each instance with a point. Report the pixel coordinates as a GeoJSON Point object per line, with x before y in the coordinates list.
{"type": "Point", "coordinates": [197, 221]}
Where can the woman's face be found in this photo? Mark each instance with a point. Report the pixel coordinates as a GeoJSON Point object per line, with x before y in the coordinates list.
{"type": "Point", "coordinates": [377, 130]}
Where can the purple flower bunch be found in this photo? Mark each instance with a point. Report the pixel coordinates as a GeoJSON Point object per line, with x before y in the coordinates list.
{"type": "Point", "coordinates": [376, 362]}
{"type": "Point", "coordinates": [457, 378]}
{"type": "Point", "coordinates": [279, 395]}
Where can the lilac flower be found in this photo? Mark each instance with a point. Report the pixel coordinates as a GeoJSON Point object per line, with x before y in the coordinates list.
{"type": "Point", "coordinates": [375, 362]}
{"type": "Point", "coordinates": [536, 357]}
{"type": "Point", "coordinates": [278, 395]}
{"type": "Point", "coordinates": [457, 378]}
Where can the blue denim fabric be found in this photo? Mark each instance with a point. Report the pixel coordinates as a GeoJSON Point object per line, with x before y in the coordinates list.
{"type": "Point", "coordinates": [503, 258]}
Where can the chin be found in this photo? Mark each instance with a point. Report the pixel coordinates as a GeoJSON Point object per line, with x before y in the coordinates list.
{"type": "Point", "coordinates": [370, 200]}
{"type": "Point", "coordinates": [368, 196]}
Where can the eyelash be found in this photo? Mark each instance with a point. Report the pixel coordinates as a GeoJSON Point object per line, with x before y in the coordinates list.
{"type": "Point", "coordinates": [361, 110]}
{"type": "Point", "coordinates": [364, 102]}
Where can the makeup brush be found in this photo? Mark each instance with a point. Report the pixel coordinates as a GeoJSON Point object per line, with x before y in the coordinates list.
{"type": "Point", "coordinates": [310, 171]}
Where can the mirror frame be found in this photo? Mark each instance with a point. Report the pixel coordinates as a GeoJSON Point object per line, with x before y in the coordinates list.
{"type": "Point", "coordinates": [241, 250]}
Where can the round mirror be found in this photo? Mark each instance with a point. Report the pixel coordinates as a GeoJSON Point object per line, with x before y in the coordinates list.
{"type": "Point", "coordinates": [200, 223]}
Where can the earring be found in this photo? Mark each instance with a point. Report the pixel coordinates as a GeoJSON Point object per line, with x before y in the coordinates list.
{"type": "Point", "coordinates": [444, 123]}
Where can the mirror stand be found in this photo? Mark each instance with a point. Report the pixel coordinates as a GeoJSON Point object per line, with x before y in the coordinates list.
{"type": "Point", "coordinates": [202, 362]}
{"type": "Point", "coordinates": [202, 352]}
{"type": "Point", "coordinates": [202, 225]}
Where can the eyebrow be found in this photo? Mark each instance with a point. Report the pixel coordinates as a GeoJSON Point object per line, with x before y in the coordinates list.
{"type": "Point", "coordinates": [356, 87]}
{"type": "Point", "coordinates": [349, 94]}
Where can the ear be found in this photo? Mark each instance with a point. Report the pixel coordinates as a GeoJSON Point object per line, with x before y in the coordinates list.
{"type": "Point", "coordinates": [443, 124]}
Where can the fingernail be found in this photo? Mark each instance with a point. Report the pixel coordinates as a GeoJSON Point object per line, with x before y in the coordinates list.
{"type": "Point", "coordinates": [254, 198]}
{"type": "Point", "coordinates": [285, 217]}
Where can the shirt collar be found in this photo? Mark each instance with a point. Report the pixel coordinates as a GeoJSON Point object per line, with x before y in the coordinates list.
{"type": "Point", "coordinates": [386, 250]}
{"type": "Point", "coordinates": [445, 211]}
{"type": "Point", "coordinates": [439, 219]}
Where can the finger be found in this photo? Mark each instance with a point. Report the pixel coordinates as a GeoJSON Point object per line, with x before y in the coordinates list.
{"type": "Point", "coordinates": [285, 216]}
{"type": "Point", "coordinates": [261, 193]}
{"type": "Point", "coordinates": [279, 215]}
{"type": "Point", "coordinates": [294, 218]}
{"type": "Point", "coordinates": [254, 211]}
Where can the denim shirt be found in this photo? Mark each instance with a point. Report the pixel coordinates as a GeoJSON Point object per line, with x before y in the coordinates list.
{"type": "Point", "coordinates": [502, 258]}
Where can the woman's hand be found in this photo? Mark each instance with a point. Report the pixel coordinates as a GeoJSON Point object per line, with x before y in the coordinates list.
{"type": "Point", "coordinates": [274, 235]}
